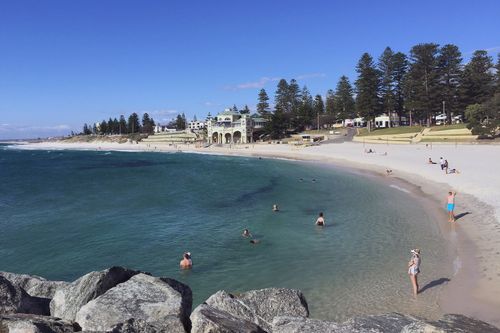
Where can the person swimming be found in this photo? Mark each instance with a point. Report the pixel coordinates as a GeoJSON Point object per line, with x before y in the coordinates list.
{"type": "Point", "coordinates": [320, 221]}
{"type": "Point", "coordinates": [246, 233]}
{"type": "Point", "coordinates": [275, 208]}
{"type": "Point", "coordinates": [186, 262]}
{"type": "Point", "coordinates": [255, 241]}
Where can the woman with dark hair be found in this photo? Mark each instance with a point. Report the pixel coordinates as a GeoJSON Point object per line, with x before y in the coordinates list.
{"type": "Point", "coordinates": [321, 220]}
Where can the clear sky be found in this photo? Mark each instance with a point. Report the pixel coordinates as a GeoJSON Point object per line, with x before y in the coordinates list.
{"type": "Point", "coordinates": [63, 63]}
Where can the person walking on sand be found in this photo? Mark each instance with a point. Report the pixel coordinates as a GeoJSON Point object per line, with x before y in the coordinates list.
{"type": "Point", "coordinates": [450, 206]}
{"type": "Point", "coordinates": [414, 269]}
{"type": "Point", "coordinates": [186, 262]}
{"type": "Point", "coordinates": [321, 220]}
{"type": "Point", "coordinates": [441, 162]}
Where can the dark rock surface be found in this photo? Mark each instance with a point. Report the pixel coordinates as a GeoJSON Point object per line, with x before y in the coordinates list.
{"type": "Point", "coordinates": [142, 297]}
{"type": "Point", "coordinates": [451, 323]}
{"type": "Point", "coordinates": [13, 299]}
{"type": "Point", "coordinates": [69, 299]}
{"type": "Point", "coordinates": [25, 323]}
{"type": "Point", "coordinates": [34, 285]}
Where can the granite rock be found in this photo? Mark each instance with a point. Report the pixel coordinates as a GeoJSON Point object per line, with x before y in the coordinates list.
{"type": "Point", "coordinates": [208, 319]}
{"type": "Point", "coordinates": [26, 323]}
{"type": "Point", "coordinates": [13, 299]}
{"type": "Point", "coordinates": [34, 285]}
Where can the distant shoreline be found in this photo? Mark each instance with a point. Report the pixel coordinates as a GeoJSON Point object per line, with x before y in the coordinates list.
{"type": "Point", "coordinates": [475, 288]}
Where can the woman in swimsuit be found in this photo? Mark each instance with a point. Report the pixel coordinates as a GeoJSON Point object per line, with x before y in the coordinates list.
{"type": "Point", "coordinates": [414, 269]}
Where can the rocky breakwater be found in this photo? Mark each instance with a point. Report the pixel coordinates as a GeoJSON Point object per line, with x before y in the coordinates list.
{"type": "Point", "coordinates": [121, 300]}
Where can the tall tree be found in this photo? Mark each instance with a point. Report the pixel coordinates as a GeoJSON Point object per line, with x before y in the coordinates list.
{"type": "Point", "coordinates": [103, 127]}
{"type": "Point", "coordinates": [109, 126]}
{"type": "Point", "coordinates": [423, 82]}
{"type": "Point", "coordinates": [400, 69]}
{"type": "Point", "coordinates": [293, 97]}
{"type": "Point", "coordinates": [449, 63]}
{"type": "Point", "coordinates": [245, 110]}
{"type": "Point", "coordinates": [148, 124]}
{"type": "Point", "coordinates": [330, 102]}
{"type": "Point", "coordinates": [386, 68]}
{"type": "Point", "coordinates": [477, 84]}
{"type": "Point", "coordinates": [235, 109]}
{"type": "Point", "coordinates": [122, 125]}
{"type": "Point", "coordinates": [180, 122]}
{"type": "Point", "coordinates": [319, 105]}
{"type": "Point", "coordinates": [281, 97]}
{"type": "Point", "coordinates": [263, 104]}
{"type": "Point", "coordinates": [367, 89]}
{"type": "Point", "coordinates": [306, 111]}
{"type": "Point", "coordinates": [133, 123]}
{"type": "Point", "coordinates": [344, 100]}
{"type": "Point", "coordinates": [497, 67]}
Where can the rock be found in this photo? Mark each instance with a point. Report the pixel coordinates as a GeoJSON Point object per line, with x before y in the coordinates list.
{"type": "Point", "coordinates": [26, 323]}
{"type": "Point", "coordinates": [68, 300]}
{"type": "Point", "coordinates": [142, 297]}
{"type": "Point", "coordinates": [34, 285]}
{"type": "Point", "coordinates": [257, 306]}
{"type": "Point", "coordinates": [451, 323]}
{"type": "Point", "coordinates": [287, 324]}
{"type": "Point", "coordinates": [136, 326]}
{"type": "Point", "coordinates": [206, 318]}
{"type": "Point", "coordinates": [13, 299]}
{"type": "Point", "coordinates": [385, 323]}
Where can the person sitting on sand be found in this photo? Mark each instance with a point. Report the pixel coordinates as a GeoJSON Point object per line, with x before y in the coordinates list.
{"type": "Point", "coordinates": [450, 206]}
{"type": "Point", "coordinates": [414, 269]}
{"type": "Point", "coordinates": [453, 171]}
{"type": "Point", "coordinates": [246, 233]}
{"type": "Point", "coordinates": [275, 208]}
{"type": "Point", "coordinates": [431, 161]}
{"type": "Point", "coordinates": [388, 172]}
{"type": "Point", "coordinates": [321, 220]}
{"type": "Point", "coordinates": [186, 262]}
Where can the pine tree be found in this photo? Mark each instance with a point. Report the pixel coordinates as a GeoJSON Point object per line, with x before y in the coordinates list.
{"type": "Point", "coordinates": [122, 125]}
{"type": "Point", "coordinates": [367, 88]}
{"type": "Point", "coordinates": [330, 102]}
{"type": "Point", "coordinates": [179, 123]}
{"type": "Point", "coordinates": [293, 97]}
{"type": "Point", "coordinates": [386, 68]}
{"type": "Point", "coordinates": [109, 127]}
{"type": "Point", "coordinates": [344, 100]}
{"type": "Point", "coordinates": [319, 105]}
{"type": "Point", "coordinates": [245, 110]}
{"type": "Point", "coordinates": [235, 109]}
{"type": "Point", "coordinates": [306, 111]}
{"type": "Point", "coordinates": [263, 105]}
{"type": "Point", "coordinates": [477, 84]}
{"type": "Point", "coordinates": [103, 128]}
{"type": "Point", "coordinates": [281, 97]}
{"type": "Point", "coordinates": [133, 123]}
{"type": "Point", "coordinates": [400, 69]}
{"type": "Point", "coordinates": [422, 83]}
{"type": "Point", "coordinates": [449, 63]}
{"type": "Point", "coordinates": [147, 124]}
{"type": "Point", "coordinates": [497, 67]}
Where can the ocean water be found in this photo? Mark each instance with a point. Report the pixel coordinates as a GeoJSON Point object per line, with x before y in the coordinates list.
{"type": "Point", "coordinates": [65, 213]}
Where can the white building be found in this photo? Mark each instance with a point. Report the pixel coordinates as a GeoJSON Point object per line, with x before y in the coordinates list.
{"type": "Point", "coordinates": [232, 127]}
{"type": "Point", "coordinates": [196, 125]}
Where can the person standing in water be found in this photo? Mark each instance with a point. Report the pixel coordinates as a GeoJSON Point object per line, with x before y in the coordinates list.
{"type": "Point", "coordinates": [321, 220]}
{"type": "Point", "coordinates": [275, 208]}
{"type": "Point", "coordinates": [246, 233]}
{"type": "Point", "coordinates": [451, 206]}
{"type": "Point", "coordinates": [186, 262]}
{"type": "Point", "coordinates": [414, 269]}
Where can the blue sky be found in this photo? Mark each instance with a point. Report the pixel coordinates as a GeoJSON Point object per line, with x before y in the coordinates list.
{"type": "Point", "coordinates": [63, 63]}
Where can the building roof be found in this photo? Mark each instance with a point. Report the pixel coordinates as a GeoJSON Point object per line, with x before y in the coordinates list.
{"type": "Point", "coordinates": [229, 113]}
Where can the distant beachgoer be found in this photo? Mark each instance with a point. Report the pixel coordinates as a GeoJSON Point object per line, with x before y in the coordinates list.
{"type": "Point", "coordinates": [301, 179]}
{"type": "Point", "coordinates": [246, 233]}
{"type": "Point", "coordinates": [388, 171]}
{"type": "Point", "coordinates": [369, 151]}
{"type": "Point", "coordinates": [313, 179]}
{"type": "Point", "coordinates": [431, 161]}
{"type": "Point", "coordinates": [453, 171]}
{"type": "Point", "coordinates": [414, 269]}
{"type": "Point", "coordinates": [441, 162]}
{"type": "Point", "coordinates": [450, 206]}
{"type": "Point", "coordinates": [275, 208]}
{"type": "Point", "coordinates": [321, 220]}
{"type": "Point", "coordinates": [254, 241]}
{"type": "Point", "coordinates": [186, 262]}
{"type": "Point", "coordinates": [446, 166]}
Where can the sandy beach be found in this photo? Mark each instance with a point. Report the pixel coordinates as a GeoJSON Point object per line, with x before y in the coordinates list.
{"type": "Point", "coordinates": [474, 289]}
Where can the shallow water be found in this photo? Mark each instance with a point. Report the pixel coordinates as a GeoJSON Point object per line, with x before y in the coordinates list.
{"type": "Point", "coordinates": [65, 213]}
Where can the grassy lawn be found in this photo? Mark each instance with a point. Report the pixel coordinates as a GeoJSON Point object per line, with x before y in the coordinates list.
{"type": "Point", "coordinates": [390, 131]}
{"type": "Point", "coordinates": [451, 139]}
{"type": "Point", "coordinates": [448, 127]}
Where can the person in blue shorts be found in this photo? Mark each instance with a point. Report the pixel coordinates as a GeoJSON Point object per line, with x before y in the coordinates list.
{"type": "Point", "coordinates": [451, 206]}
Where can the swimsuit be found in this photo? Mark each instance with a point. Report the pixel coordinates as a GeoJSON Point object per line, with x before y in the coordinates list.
{"type": "Point", "coordinates": [450, 207]}
{"type": "Point", "coordinates": [415, 268]}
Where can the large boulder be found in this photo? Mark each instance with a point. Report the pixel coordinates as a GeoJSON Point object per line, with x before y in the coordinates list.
{"type": "Point", "coordinates": [389, 322]}
{"type": "Point", "coordinates": [287, 324]}
{"type": "Point", "coordinates": [13, 299]}
{"type": "Point", "coordinates": [25, 323]}
{"type": "Point", "coordinates": [256, 306]}
{"type": "Point", "coordinates": [207, 319]}
{"type": "Point", "coordinates": [69, 299]}
{"type": "Point", "coordinates": [34, 285]}
{"type": "Point", "coordinates": [450, 323]}
{"type": "Point", "coordinates": [155, 301]}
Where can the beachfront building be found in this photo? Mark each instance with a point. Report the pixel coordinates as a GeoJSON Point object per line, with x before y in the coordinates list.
{"type": "Point", "coordinates": [196, 125]}
{"type": "Point", "coordinates": [233, 127]}
{"type": "Point", "coordinates": [163, 129]}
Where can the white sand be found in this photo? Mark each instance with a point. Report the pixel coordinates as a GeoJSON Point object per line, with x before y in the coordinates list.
{"type": "Point", "coordinates": [475, 288]}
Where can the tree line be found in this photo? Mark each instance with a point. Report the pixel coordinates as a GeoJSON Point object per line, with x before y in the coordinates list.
{"type": "Point", "coordinates": [430, 80]}
{"type": "Point", "coordinates": [121, 126]}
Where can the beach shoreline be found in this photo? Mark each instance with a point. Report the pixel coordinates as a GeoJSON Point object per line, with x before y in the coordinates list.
{"type": "Point", "coordinates": [474, 290]}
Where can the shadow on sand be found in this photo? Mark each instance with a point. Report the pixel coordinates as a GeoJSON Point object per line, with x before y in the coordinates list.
{"type": "Point", "coordinates": [459, 216]}
{"type": "Point", "coordinates": [434, 283]}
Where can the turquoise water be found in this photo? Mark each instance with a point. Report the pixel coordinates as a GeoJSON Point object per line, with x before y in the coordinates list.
{"type": "Point", "coordinates": [65, 213]}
